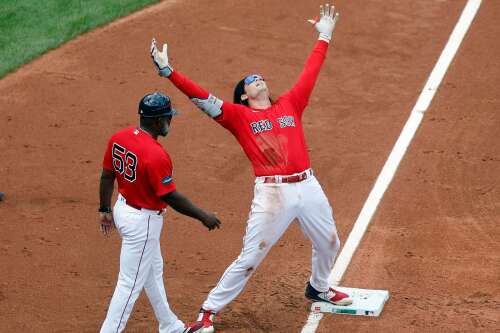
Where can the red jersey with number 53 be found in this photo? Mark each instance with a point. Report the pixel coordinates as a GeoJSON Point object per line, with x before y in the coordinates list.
{"type": "Point", "coordinates": [142, 167]}
{"type": "Point", "coordinates": [273, 139]}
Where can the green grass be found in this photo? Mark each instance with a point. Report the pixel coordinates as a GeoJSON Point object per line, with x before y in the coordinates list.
{"type": "Point", "coordinates": [28, 28]}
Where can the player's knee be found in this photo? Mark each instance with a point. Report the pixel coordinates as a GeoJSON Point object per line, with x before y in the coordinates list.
{"type": "Point", "coordinates": [335, 242]}
{"type": "Point", "coordinates": [251, 260]}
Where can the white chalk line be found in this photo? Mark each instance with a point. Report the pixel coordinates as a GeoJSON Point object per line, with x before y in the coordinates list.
{"type": "Point", "coordinates": [386, 175]}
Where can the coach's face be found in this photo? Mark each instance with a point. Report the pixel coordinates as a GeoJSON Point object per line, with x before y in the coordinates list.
{"type": "Point", "coordinates": [164, 125]}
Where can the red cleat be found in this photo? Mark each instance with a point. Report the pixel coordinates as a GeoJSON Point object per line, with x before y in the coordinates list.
{"type": "Point", "coordinates": [331, 296]}
{"type": "Point", "coordinates": [193, 328]}
{"type": "Point", "coordinates": [205, 322]}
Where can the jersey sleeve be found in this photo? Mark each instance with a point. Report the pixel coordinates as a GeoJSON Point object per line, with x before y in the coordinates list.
{"type": "Point", "coordinates": [107, 162]}
{"type": "Point", "coordinates": [160, 174]}
{"type": "Point", "coordinates": [302, 89]}
{"type": "Point", "coordinates": [231, 115]}
{"type": "Point", "coordinates": [223, 112]}
{"type": "Point", "coordinates": [188, 87]}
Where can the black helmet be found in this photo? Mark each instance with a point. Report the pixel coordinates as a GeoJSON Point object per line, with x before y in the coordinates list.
{"type": "Point", "coordinates": [156, 105]}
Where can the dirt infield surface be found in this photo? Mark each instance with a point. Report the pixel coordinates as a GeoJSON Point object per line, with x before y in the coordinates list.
{"type": "Point", "coordinates": [434, 242]}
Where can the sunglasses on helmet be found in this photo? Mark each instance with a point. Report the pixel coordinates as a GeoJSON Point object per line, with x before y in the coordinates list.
{"type": "Point", "coordinates": [252, 78]}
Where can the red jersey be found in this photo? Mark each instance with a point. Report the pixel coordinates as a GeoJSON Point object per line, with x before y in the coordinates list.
{"type": "Point", "coordinates": [142, 167]}
{"type": "Point", "coordinates": [273, 138]}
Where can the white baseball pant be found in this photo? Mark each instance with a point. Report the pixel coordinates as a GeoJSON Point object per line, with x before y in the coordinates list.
{"type": "Point", "coordinates": [141, 266]}
{"type": "Point", "coordinates": [273, 208]}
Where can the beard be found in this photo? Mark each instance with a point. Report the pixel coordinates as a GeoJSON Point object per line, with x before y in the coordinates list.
{"type": "Point", "coordinates": [164, 130]}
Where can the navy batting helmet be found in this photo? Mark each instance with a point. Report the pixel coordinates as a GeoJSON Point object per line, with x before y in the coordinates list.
{"type": "Point", "coordinates": [156, 105]}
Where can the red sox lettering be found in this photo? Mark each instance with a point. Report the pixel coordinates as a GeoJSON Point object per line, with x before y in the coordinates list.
{"type": "Point", "coordinates": [261, 126]}
{"type": "Point", "coordinates": [286, 121]}
{"type": "Point", "coordinates": [266, 125]}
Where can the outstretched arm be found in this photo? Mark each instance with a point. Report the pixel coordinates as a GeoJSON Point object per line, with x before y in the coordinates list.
{"type": "Point", "coordinates": [303, 87]}
{"type": "Point", "coordinates": [182, 205]}
{"type": "Point", "coordinates": [205, 101]}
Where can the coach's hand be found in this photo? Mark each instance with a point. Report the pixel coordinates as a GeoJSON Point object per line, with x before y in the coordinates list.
{"type": "Point", "coordinates": [106, 222]}
{"type": "Point", "coordinates": [211, 221]}
{"type": "Point", "coordinates": [326, 24]}
{"type": "Point", "coordinates": [160, 59]}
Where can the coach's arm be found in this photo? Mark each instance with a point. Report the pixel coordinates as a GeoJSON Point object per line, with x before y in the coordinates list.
{"type": "Point", "coordinates": [184, 206]}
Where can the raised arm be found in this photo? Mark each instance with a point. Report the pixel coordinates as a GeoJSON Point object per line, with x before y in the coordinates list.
{"type": "Point", "coordinates": [205, 101]}
{"type": "Point", "coordinates": [302, 89]}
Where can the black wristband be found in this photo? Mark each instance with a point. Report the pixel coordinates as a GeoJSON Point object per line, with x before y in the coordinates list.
{"type": "Point", "coordinates": [104, 210]}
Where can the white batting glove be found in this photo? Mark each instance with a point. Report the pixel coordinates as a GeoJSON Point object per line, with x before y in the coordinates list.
{"type": "Point", "coordinates": [160, 59]}
{"type": "Point", "coordinates": [326, 24]}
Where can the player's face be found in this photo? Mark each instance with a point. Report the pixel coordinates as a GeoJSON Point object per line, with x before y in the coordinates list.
{"type": "Point", "coordinates": [255, 85]}
{"type": "Point", "coordinates": [164, 125]}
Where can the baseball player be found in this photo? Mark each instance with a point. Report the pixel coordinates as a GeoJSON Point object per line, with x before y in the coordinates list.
{"type": "Point", "coordinates": [272, 137]}
{"type": "Point", "coordinates": [144, 173]}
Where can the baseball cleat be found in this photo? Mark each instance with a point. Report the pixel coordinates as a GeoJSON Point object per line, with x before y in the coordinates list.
{"type": "Point", "coordinates": [2, 195]}
{"type": "Point", "coordinates": [205, 319]}
{"type": "Point", "coordinates": [193, 328]}
{"type": "Point", "coordinates": [331, 296]}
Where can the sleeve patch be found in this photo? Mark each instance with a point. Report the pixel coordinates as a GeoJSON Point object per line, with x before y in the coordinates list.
{"type": "Point", "coordinates": [167, 180]}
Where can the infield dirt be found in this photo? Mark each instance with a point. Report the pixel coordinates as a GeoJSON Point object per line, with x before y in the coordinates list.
{"type": "Point", "coordinates": [433, 242]}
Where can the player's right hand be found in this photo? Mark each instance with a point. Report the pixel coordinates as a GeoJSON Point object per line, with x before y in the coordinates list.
{"type": "Point", "coordinates": [106, 222]}
{"type": "Point", "coordinates": [211, 221]}
{"type": "Point", "coordinates": [160, 59]}
{"type": "Point", "coordinates": [327, 20]}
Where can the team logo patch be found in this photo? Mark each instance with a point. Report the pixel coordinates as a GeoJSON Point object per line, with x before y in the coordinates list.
{"type": "Point", "coordinates": [167, 180]}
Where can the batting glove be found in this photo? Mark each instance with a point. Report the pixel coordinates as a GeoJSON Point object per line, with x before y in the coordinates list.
{"type": "Point", "coordinates": [326, 24]}
{"type": "Point", "coordinates": [160, 59]}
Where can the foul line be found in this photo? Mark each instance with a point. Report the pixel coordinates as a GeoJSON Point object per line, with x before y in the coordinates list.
{"type": "Point", "coordinates": [397, 153]}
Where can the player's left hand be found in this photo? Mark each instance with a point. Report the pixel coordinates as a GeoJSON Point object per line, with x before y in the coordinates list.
{"type": "Point", "coordinates": [327, 20]}
{"type": "Point", "coordinates": [160, 59]}
{"type": "Point", "coordinates": [106, 222]}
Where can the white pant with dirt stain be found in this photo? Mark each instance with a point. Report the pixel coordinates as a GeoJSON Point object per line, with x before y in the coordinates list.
{"type": "Point", "coordinates": [141, 266]}
{"type": "Point", "coordinates": [273, 208]}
